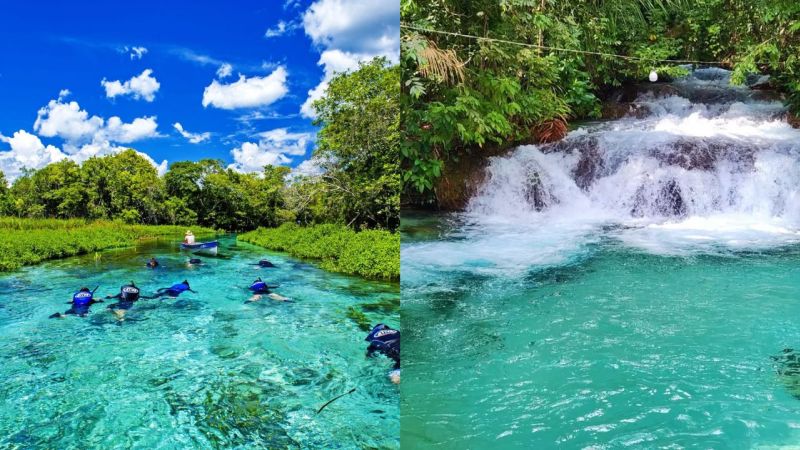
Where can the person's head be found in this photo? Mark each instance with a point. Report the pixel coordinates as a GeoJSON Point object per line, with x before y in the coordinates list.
{"type": "Point", "coordinates": [132, 284]}
{"type": "Point", "coordinates": [152, 260]}
{"type": "Point", "coordinates": [186, 282]}
{"type": "Point", "coordinates": [85, 289]}
{"type": "Point", "coordinates": [258, 279]}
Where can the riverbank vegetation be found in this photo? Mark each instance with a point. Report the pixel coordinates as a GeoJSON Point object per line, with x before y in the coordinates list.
{"type": "Point", "coordinates": [464, 96]}
{"type": "Point", "coordinates": [355, 186]}
{"type": "Point", "coordinates": [30, 241]}
{"type": "Point", "coordinates": [373, 254]}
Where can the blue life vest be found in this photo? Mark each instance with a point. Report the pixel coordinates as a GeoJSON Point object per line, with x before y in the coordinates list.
{"type": "Point", "coordinates": [180, 287]}
{"type": "Point", "coordinates": [259, 286]}
{"type": "Point", "coordinates": [82, 298]}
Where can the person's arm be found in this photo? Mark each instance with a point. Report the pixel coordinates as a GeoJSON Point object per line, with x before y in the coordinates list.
{"type": "Point", "coordinates": [118, 296]}
{"type": "Point", "coordinates": [192, 291]}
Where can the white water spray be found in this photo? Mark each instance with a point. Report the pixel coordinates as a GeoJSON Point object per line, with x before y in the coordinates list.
{"type": "Point", "coordinates": [708, 164]}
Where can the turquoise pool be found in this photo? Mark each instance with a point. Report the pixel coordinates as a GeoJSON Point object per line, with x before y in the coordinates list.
{"type": "Point", "coordinates": [597, 341]}
{"type": "Point", "coordinates": [203, 371]}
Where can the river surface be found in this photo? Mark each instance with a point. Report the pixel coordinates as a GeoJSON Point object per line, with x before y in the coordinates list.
{"type": "Point", "coordinates": [203, 371]}
{"type": "Point", "coordinates": [636, 285]}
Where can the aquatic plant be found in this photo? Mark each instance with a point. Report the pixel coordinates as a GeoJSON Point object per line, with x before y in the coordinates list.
{"type": "Point", "coordinates": [373, 254]}
{"type": "Point", "coordinates": [30, 241]}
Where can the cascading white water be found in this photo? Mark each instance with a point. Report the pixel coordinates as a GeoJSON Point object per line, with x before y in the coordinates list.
{"type": "Point", "coordinates": [703, 161]}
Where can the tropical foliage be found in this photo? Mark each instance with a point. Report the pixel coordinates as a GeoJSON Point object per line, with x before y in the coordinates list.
{"type": "Point", "coordinates": [462, 95]}
{"type": "Point", "coordinates": [372, 254]}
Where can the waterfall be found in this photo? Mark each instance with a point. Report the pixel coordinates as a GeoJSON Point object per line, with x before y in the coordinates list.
{"type": "Point", "coordinates": [697, 155]}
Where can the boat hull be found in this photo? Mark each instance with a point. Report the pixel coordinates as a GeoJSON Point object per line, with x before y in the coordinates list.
{"type": "Point", "coordinates": [202, 246]}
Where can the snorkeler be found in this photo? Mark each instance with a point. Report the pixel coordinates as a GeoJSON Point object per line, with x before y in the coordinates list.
{"type": "Point", "coordinates": [81, 302]}
{"type": "Point", "coordinates": [195, 262]}
{"type": "Point", "coordinates": [265, 263]}
{"type": "Point", "coordinates": [260, 287]}
{"type": "Point", "coordinates": [385, 340]}
{"type": "Point", "coordinates": [152, 264]}
{"type": "Point", "coordinates": [128, 294]}
{"type": "Point", "coordinates": [173, 291]}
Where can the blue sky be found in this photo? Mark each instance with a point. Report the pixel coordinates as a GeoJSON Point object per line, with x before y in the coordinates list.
{"type": "Point", "coordinates": [84, 79]}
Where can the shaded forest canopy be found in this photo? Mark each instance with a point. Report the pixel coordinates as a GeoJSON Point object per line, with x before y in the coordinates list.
{"type": "Point", "coordinates": [462, 96]}
{"type": "Point", "coordinates": [357, 153]}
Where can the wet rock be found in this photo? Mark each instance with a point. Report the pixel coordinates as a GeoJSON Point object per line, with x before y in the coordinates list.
{"type": "Point", "coordinates": [537, 194]}
{"type": "Point", "coordinates": [588, 168]}
{"type": "Point", "coordinates": [668, 201]}
{"type": "Point", "coordinates": [793, 120]}
{"type": "Point", "coordinates": [692, 155]}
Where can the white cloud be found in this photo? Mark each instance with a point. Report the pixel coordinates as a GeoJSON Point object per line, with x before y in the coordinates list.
{"type": "Point", "coordinates": [194, 138]}
{"type": "Point", "coordinates": [27, 151]}
{"type": "Point", "coordinates": [143, 86]}
{"type": "Point", "coordinates": [281, 29]}
{"type": "Point", "coordinates": [67, 121]}
{"type": "Point", "coordinates": [350, 31]}
{"type": "Point", "coordinates": [275, 147]}
{"type": "Point", "coordinates": [73, 124]}
{"type": "Point", "coordinates": [138, 52]}
{"type": "Point", "coordinates": [224, 71]}
{"type": "Point", "coordinates": [134, 52]}
{"type": "Point", "coordinates": [360, 26]}
{"type": "Point", "coordinates": [308, 168]}
{"type": "Point", "coordinates": [64, 93]}
{"type": "Point", "coordinates": [247, 92]}
{"type": "Point", "coordinates": [84, 136]}
{"type": "Point", "coordinates": [124, 133]}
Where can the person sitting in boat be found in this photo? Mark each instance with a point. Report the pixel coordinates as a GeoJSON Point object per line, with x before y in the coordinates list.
{"type": "Point", "coordinates": [260, 287]}
{"type": "Point", "coordinates": [173, 291]}
{"type": "Point", "coordinates": [81, 302]}
{"type": "Point", "coordinates": [128, 294]}
{"type": "Point", "coordinates": [188, 238]}
{"type": "Point", "coordinates": [385, 340]}
{"type": "Point", "coordinates": [152, 264]}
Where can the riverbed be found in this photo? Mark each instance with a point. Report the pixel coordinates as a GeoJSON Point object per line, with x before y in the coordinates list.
{"type": "Point", "coordinates": [206, 370]}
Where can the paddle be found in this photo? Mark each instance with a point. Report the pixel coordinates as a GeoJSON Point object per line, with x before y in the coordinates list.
{"type": "Point", "coordinates": [334, 399]}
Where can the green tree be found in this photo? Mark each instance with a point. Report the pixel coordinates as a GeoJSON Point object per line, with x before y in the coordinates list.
{"type": "Point", "coordinates": [358, 145]}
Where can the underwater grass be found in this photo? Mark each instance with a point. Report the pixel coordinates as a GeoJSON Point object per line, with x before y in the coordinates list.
{"type": "Point", "coordinates": [30, 241]}
{"type": "Point", "coordinates": [373, 254]}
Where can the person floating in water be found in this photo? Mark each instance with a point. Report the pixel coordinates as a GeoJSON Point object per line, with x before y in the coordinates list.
{"type": "Point", "coordinates": [260, 288]}
{"type": "Point", "coordinates": [152, 263]}
{"type": "Point", "coordinates": [265, 263]}
{"type": "Point", "coordinates": [195, 262]}
{"type": "Point", "coordinates": [173, 291]}
{"type": "Point", "coordinates": [128, 294]}
{"type": "Point", "coordinates": [385, 340]}
{"type": "Point", "coordinates": [81, 302]}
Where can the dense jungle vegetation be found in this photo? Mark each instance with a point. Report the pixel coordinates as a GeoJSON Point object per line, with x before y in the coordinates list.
{"type": "Point", "coordinates": [462, 95]}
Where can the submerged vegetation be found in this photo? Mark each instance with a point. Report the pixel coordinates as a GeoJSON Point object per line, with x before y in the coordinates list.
{"type": "Point", "coordinates": [30, 241]}
{"type": "Point", "coordinates": [468, 95]}
{"type": "Point", "coordinates": [372, 254]}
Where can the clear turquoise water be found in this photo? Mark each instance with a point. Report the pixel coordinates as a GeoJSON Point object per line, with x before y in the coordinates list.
{"type": "Point", "coordinates": [594, 343]}
{"type": "Point", "coordinates": [203, 371]}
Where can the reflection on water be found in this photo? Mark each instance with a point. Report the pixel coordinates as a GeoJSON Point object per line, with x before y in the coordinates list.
{"type": "Point", "coordinates": [205, 370]}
